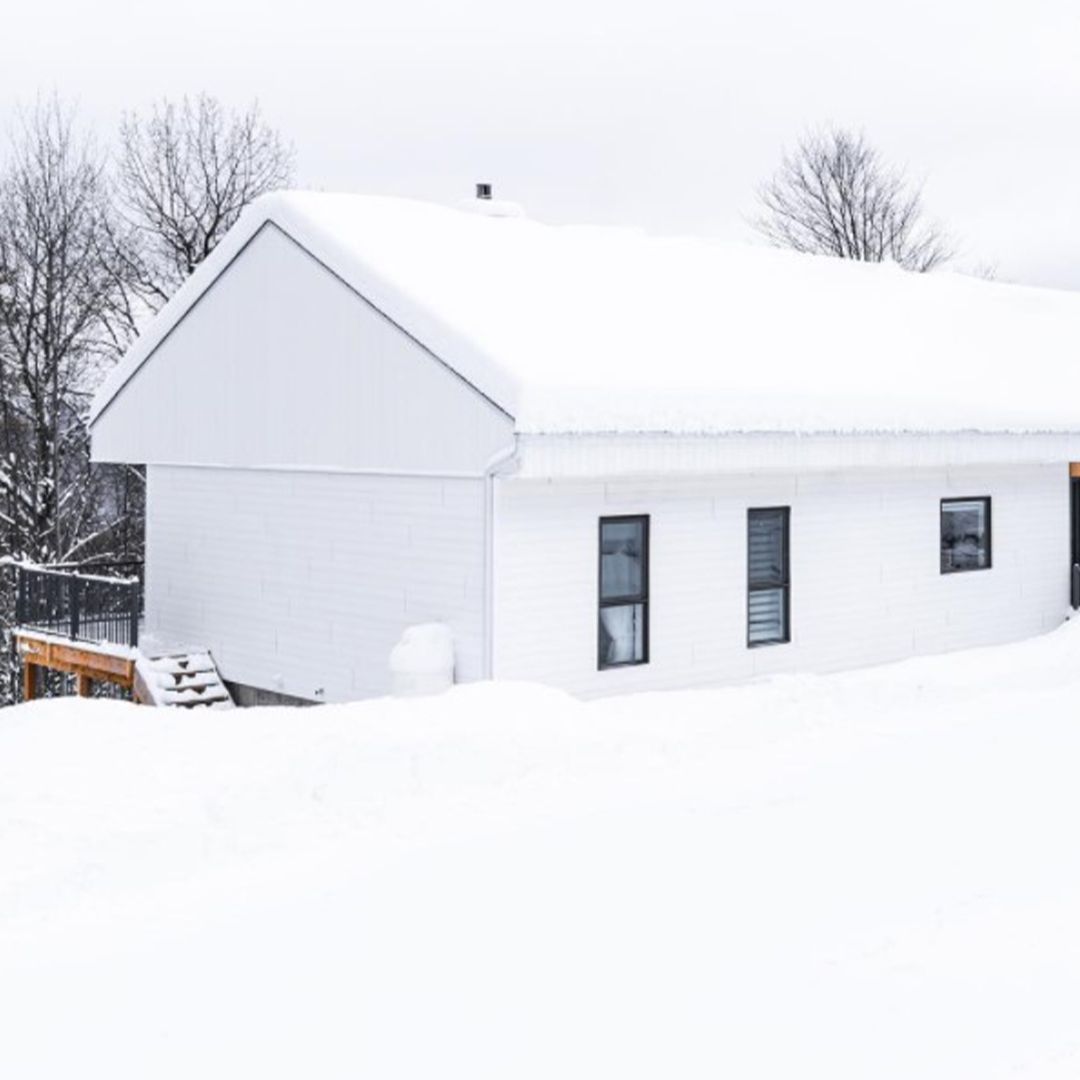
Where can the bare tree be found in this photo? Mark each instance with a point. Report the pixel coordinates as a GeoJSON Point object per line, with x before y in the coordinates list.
{"type": "Point", "coordinates": [58, 294]}
{"type": "Point", "coordinates": [835, 196]}
{"type": "Point", "coordinates": [184, 175]}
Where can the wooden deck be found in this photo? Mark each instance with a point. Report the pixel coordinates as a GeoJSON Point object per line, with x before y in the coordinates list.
{"type": "Point", "coordinates": [106, 663]}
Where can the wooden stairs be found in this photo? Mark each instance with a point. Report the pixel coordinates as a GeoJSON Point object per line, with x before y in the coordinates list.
{"type": "Point", "coordinates": [186, 679]}
{"type": "Point", "coordinates": [181, 680]}
{"type": "Point", "coordinates": [87, 626]}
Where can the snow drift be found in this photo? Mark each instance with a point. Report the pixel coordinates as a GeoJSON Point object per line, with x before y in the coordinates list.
{"type": "Point", "coordinates": [868, 874]}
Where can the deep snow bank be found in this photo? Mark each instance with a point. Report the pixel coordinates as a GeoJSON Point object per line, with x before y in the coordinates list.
{"type": "Point", "coordinates": [872, 874]}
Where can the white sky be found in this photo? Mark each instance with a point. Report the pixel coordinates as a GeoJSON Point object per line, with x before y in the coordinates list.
{"type": "Point", "coordinates": [662, 114]}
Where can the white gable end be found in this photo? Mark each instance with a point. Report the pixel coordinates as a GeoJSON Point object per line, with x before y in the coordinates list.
{"type": "Point", "coordinates": [280, 363]}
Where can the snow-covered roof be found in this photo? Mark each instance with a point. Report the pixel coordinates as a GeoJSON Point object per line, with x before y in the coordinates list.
{"type": "Point", "coordinates": [589, 329]}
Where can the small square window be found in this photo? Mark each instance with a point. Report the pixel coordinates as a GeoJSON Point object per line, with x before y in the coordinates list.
{"type": "Point", "coordinates": [965, 535]}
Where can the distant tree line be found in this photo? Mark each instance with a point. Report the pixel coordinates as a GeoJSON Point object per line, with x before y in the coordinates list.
{"type": "Point", "coordinates": [92, 242]}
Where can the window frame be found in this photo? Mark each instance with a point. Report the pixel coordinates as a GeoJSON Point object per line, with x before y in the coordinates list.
{"type": "Point", "coordinates": [641, 597]}
{"type": "Point", "coordinates": [988, 501]}
{"type": "Point", "coordinates": [785, 586]}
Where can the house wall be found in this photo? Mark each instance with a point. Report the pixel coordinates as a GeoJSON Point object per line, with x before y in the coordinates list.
{"type": "Point", "coordinates": [301, 582]}
{"type": "Point", "coordinates": [866, 582]}
{"type": "Point", "coordinates": [280, 364]}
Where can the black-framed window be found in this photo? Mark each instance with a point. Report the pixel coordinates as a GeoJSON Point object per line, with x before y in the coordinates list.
{"type": "Point", "coordinates": [623, 626]}
{"type": "Point", "coordinates": [965, 534]}
{"type": "Point", "coordinates": [768, 595]}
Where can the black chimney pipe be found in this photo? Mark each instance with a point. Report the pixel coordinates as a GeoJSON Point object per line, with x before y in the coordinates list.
{"type": "Point", "coordinates": [483, 191]}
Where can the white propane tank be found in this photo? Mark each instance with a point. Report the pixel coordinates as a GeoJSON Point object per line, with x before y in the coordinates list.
{"type": "Point", "coordinates": [422, 662]}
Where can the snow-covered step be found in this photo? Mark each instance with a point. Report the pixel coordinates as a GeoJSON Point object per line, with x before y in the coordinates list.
{"type": "Point", "coordinates": [194, 697]}
{"type": "Point", "coordinates": [182, 680]}
{"type": "Point", "coordinates": [201, 681]}
{"type": "Point", "coordinates": [182, 665]}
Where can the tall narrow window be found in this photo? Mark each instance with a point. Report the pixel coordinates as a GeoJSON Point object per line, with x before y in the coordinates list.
{"type": "Point", "coordinates": [965, 534]}
{"type": "Point", "coordinates": [624, 591]}
{"type": "Point", "coordinates": [768, 607]}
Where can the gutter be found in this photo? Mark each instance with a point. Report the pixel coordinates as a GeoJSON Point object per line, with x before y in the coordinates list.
{"type": "Point", "coordinates": [497, 464]}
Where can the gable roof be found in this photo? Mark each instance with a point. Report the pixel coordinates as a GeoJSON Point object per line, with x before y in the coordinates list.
{"type": "Point", "coordinates": [587, 329]}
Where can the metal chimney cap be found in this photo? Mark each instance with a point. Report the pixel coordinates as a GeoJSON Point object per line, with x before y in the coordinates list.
{"type": "Point", "coordinates": [483, 191]}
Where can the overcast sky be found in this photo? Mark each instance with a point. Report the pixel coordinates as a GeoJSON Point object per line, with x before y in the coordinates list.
{"type": "Point", "coordinates": [664, 115]}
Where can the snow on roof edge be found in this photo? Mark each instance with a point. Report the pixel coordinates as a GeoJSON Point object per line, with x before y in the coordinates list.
{"type": "Point", "coordinates": [480, 370]}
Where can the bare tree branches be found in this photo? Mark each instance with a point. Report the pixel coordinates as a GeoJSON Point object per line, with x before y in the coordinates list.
{"type": "Point", "coordinates": [58, 294]}
{"type": "Point", "coordinates": [835, 196]}
{"type": "Point", "coordinates": [184, 175]}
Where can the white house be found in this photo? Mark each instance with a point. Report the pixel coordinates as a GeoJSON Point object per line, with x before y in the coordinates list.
{"type": "Point", "coordinates": [608, 462]}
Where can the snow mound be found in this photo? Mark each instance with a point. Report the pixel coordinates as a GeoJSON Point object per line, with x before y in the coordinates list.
{"type": "Point", "coordinates": [863, 875]}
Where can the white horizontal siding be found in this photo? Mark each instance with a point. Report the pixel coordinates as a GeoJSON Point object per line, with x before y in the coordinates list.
{"type": "Point", "coordinates": [866, 581]}
{"type": "Point", "coordinates": [280, 364]}
{"type": "Point", "coordinates": [303, 582]}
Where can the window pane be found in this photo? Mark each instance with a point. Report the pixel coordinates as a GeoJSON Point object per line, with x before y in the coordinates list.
{"type": "Point", "coordinates": [767, 616]}
{"type": "Point", "coordinates": [622, 634]}
{"type": "Point", "coordinates": [964, 535]}
{"type": "Point", "coordinates": [766, 547]}
{"type": "Point", "coordinates": [622, 545]}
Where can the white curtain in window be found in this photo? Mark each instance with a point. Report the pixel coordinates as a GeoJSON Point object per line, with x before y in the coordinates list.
{"type": "Point", "coordinates": [624, 627]}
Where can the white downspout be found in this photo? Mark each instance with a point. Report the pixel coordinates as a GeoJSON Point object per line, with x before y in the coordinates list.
{"type": "Point", "coordinates": [495, 464]}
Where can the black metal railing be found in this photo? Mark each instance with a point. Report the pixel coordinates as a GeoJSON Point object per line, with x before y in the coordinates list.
{"type": "Point", "coordinates": [83, 607]}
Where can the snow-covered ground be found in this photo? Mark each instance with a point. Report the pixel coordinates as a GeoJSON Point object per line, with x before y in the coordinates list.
{"type": "Point", "coordinates": [865, 875]}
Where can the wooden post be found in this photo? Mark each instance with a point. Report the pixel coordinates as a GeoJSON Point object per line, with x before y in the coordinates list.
{"type": "Point", "coordinates": [29, 681]}
{"type": "Point", "coordinates": [83, 683]}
